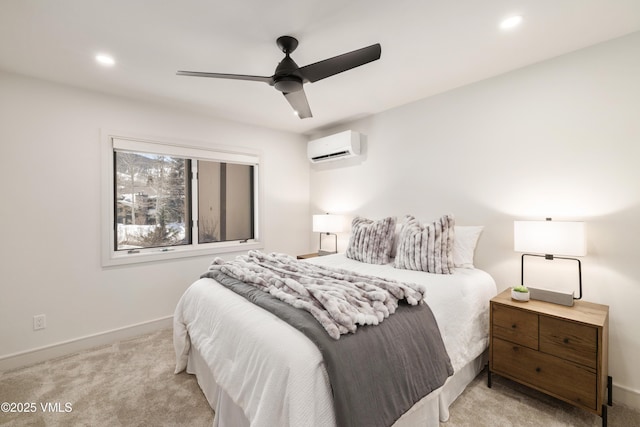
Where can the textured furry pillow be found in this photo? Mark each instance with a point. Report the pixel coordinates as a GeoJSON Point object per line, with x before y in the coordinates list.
{"type": "Point", "coordinates": [427, 247]}
{"type": "Point", "coordinates": [371, 241]}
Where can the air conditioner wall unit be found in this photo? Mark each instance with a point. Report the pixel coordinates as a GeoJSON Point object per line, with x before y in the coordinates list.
{"type": "Point", "coordinates": [334, 147]}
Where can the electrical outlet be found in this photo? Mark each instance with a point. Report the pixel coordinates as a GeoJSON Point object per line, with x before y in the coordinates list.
{"type": "Point", "coordinates": [39, 322]}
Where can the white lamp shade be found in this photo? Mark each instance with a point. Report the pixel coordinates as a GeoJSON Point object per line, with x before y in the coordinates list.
{"type": "Point", "coordinates": [328, 223]}
{"type": "Point", "coordinates": [550, 237]}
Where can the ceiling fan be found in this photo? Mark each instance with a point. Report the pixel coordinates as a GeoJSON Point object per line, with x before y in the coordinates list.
{"type": "Point", "coordinates": [289, 77]}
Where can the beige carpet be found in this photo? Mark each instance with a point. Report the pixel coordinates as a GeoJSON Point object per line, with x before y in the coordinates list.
{"type": "Point", "coordinates": [131, 383]}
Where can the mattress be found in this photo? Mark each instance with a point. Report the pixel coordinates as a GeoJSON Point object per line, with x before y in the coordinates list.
{"type": "Point", "coordinates": [257, 370]}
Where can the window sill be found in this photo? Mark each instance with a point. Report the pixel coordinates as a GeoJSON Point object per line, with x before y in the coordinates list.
{"type": "Point", "coordinates": [156, 255]}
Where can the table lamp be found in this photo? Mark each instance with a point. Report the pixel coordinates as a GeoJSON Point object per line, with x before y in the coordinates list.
{"type": "Point", "coordinates": [328, 224]}
{"type": "Point", "coordinates": [549, 239]}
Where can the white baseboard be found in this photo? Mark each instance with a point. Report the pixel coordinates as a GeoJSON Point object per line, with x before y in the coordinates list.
{"type": "Point", "coordinates": [626, 396]}
{"type": "Point", "coordinates": [41, 354]}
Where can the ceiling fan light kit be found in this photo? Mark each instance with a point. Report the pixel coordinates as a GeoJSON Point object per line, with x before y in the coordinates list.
{"type": "Point", "coordinates": [289, 78]}
{"type": "Point", "coordinates": [288, 84]}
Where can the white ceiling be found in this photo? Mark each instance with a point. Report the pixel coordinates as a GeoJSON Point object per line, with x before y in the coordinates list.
{"type": "Point", "coordinates": [428, 47]}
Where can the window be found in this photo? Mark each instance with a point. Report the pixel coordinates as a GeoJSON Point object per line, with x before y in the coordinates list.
{"type": "Point", "coordinates": [168, 201]}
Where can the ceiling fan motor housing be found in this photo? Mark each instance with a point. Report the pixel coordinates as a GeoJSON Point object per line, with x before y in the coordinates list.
{"type": "Point", "coordinates": [286, 78]}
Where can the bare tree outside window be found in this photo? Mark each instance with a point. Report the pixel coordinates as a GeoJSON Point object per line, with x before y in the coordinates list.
{"type": "Point", "coordinates": [151, 208]}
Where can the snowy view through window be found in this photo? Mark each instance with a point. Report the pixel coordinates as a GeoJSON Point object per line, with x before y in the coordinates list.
{"type": "Point", "coordinates": [154, 200]}
{"type": "Point", "coordinates": [152, 203]}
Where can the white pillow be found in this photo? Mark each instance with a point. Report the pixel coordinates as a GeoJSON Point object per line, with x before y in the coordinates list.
{"type": "Point", "coordinates": [464, 245]}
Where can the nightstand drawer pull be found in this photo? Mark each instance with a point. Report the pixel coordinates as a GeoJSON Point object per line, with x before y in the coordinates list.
{"type": "Point", "coordinates": [566, 340]}
{"type": "Point", "coordinates": [538, 369]}
{"type": "Point", "coordinates": [514, 326]}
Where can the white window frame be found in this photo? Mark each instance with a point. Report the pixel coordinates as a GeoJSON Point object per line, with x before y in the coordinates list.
{"type": "Point", "coordinates": [111, 141]}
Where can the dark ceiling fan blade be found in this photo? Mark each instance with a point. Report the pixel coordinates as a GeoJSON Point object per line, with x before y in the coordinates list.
{"type": "Point", "coordinates": [338, 64]}
{"type": "Point", "coordinates": [298, 101]}
{"type": "Point", "coordinates": [268, 80]}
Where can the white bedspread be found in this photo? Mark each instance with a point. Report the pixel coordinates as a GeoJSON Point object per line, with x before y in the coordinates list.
{"type": "Point", "coordinates": [276, 374]}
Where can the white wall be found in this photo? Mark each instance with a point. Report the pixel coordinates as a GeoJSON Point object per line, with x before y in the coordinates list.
{"type": "Point", "coordinates": [560, 139]}
{"type": "Point", "coordinates": [51, 210]}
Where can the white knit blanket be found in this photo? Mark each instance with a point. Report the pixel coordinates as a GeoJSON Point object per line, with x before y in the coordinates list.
{"type": "Point", "coordinates": [339, 299]}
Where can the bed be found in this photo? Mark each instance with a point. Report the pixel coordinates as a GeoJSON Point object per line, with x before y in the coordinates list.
{"type": "Point", "coordinates": [257, 370]}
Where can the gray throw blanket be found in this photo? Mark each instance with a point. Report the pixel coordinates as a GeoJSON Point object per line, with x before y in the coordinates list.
{"type": "Point", "coordinates": [376, 374]}
{"type": "Point", "coordinates": [339, 299]}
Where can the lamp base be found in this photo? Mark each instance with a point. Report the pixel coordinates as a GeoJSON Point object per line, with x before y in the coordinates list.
{"type": "Point", "coordinates": [323, 253]}
{"type": "Point", "coordinates": [555, 297]}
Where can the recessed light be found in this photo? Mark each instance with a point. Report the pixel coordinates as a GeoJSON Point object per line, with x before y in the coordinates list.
{"type": "Point", "coordinates": [511, 22]}
{"type": "Point", "coordinates": [106, 60]}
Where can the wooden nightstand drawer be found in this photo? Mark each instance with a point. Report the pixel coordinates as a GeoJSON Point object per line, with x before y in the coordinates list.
{"type": "Point", "coordinates": [570, 341]}
{"type": "Point", "coordinates": [515, 325]}
{"type": "Point", "coordinates": [553, 375]}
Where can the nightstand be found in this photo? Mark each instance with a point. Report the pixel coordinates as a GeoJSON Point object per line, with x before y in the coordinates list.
{"type": "Point", "coordinates": [558, 350]}
{"type": "Point", "coordinates": [306, 256]}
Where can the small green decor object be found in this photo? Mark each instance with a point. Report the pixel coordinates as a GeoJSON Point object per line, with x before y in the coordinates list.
{"type": "Point", "coordinates": [520, 293]}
